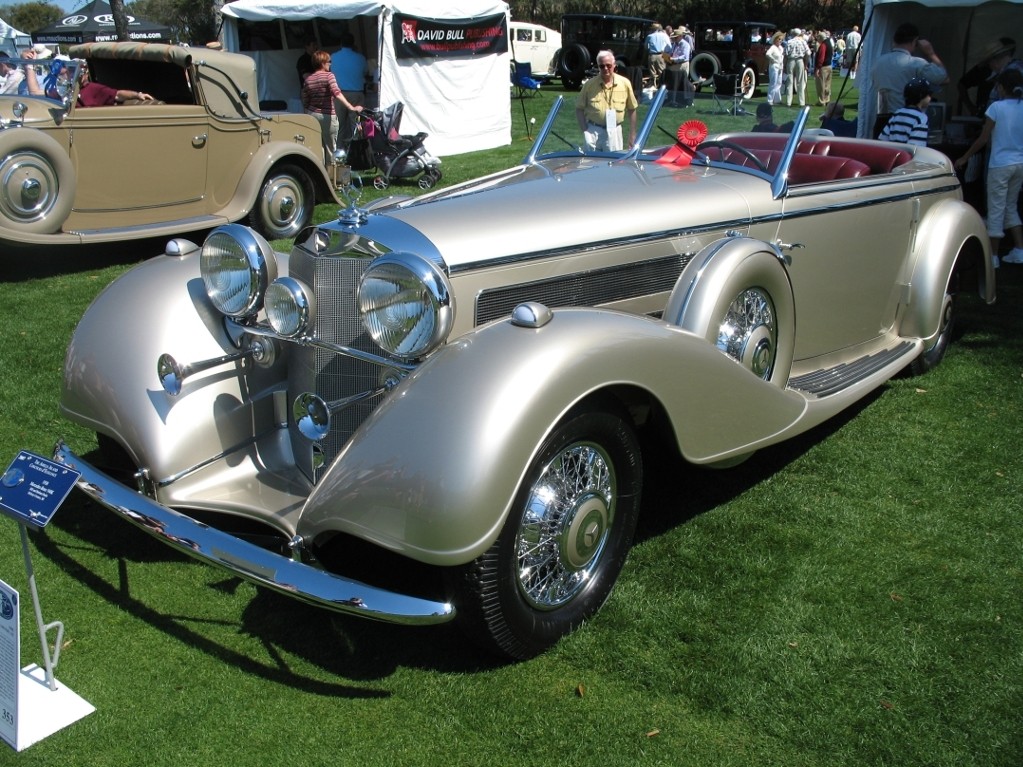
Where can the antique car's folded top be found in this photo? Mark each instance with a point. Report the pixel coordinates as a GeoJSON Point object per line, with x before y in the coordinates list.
{"type": "Point", "coordinates": [468, 381]}
{"type": "Point", "coordinates": [194, 153]}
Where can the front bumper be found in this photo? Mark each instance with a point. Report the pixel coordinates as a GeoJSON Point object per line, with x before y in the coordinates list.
{"type": "Point", "coordinates": [265, 568]}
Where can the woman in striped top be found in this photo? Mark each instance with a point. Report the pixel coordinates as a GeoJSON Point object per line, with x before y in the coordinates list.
{"type": "Point", "coordinates": [318, 95]}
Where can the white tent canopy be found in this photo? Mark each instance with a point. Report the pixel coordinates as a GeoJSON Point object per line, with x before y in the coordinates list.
{"type": "Point", "coordinates": [11, 39]}
{"type": "Point", "coordinates": [462, 102]}
{"type": "Point", "coordinates": [959, 30]}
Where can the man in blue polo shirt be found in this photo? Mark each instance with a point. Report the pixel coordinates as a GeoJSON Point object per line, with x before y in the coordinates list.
{"type": "Point", "coordinates": [349, 69]}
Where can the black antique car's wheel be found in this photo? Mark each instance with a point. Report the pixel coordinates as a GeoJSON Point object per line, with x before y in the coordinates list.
{"type": "Point", "coordinates": [703, 67]}
{"type": "Point", "coordinates": [934, 353]}
{"type": "Point", "coordinates": [748, 82]}
{"type": "Point", "coordinates": [564, 542]}
{"type": "Point", "coordinates": [285, 203]}
{"type": "Point", "coordinates": [37, 182]}
{"type": "Point", "coordinates": [573, 63]}
{"type": "Point", "coordinates": [721, 146]}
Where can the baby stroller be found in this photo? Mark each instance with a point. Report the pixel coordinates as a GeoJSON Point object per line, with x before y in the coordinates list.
{"type": "Point", "coordinates": [378, 145]}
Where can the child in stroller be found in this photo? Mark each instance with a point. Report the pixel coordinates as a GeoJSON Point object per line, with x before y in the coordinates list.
{"type": "Point", "coordinates": [378, 145]}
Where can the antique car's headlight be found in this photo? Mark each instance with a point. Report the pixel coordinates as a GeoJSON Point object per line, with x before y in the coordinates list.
{"type": "Point", "coordinates": [236, 265]}
{"type": "Point", "coordinates": [289, 306]}
{"type": "Point", "coordinates": [406, 305]}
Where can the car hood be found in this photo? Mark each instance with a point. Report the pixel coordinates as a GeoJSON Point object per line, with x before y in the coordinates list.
{"type": "Point", "coordinates": [569, 203]}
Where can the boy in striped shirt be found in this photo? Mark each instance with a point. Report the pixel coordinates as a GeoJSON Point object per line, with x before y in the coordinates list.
{"type": "Point", "coordinates": [909, 124]}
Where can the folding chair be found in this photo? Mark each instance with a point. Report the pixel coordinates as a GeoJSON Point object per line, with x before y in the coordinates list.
{"type": "Point", "coordinates": [522, 79]}
{"type": "Point", "coordinates": [728, 88]}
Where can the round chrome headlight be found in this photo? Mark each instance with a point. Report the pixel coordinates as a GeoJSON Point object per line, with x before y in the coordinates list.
{"type": "Point", "coordinates": [289, 307]}
{"type": "Point", "coordinates": [406, 304]}
{"type": "Point", "coordinates": [236, 265]}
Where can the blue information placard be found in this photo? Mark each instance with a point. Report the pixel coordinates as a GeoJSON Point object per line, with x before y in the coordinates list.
{"type": "Point", "coordinates": [33, 488]}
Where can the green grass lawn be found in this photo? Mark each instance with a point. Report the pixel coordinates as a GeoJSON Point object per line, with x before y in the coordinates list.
{"type": "Point", "coordinates": [849, 598]}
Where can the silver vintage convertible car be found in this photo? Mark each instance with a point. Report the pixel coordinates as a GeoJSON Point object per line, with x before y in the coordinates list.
{"type": "Point", "coordinates": [465, 383]}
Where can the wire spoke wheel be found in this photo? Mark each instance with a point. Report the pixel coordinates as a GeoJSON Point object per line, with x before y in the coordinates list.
{"type": "Point", "coordinates": [565, 525]}
{"type": "Point", "coordinates": [564, 541]}
{"type": "Point", "coordinates": [749, 333]}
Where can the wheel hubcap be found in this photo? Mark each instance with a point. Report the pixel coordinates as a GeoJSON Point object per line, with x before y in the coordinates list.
{"type": "Point", "coordinates": [565, 526]}
{"type": "Point", "coordinates": [28, 187]}
{"type": "Point", "coordinates": [282, 206]}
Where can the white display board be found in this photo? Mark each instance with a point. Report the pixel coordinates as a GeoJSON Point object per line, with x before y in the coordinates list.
{"type": "Point", "coordinates": [33, 704]}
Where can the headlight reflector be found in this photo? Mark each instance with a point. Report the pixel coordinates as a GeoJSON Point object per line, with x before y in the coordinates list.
{"type": "Point", "coordinates": [289, 307]}
{"type": "Point", "coordinates": [406, 305]}
{"type": "Point", "coordinates": [236, 265]}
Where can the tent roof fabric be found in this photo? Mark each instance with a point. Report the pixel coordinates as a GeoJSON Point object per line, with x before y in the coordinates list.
{"type": "Point", "coordinates": [271, 10]}
{"type": "Point", "coordinates": [95, 21]}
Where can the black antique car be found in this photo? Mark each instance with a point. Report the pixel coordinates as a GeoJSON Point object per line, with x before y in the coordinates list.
{"type": "Point", "coordinates": [583, 35]}
{"type": "Point", "coordinates": [731, 47]}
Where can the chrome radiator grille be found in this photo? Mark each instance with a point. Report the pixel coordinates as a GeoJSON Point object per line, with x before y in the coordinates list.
{"type": "Point", "coordinates": [334, 281]}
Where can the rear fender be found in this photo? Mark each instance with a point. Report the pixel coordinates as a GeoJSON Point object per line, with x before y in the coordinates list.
{"type": "Point", "coordinates": [949, 229]}
{"type": "Point", "coordinates": [432, 473]}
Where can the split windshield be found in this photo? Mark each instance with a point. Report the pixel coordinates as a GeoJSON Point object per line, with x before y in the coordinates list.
{"type": "Point", "coordinates": [657, 127]}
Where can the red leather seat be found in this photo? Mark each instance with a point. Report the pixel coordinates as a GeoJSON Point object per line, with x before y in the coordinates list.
{"type": "Point", "coordinates": [878, 156]}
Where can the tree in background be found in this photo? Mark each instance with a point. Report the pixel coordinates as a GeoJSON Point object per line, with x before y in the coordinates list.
{"type": "Point", "coordinates": [120, 19]}
{"type": "Point", "coordinates": [191, 21]}
{"type": "Point", "coordinates": [28, 17]}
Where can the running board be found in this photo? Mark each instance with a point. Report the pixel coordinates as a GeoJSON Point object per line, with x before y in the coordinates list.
{"type": "Point", "coordinates": [827, 381]}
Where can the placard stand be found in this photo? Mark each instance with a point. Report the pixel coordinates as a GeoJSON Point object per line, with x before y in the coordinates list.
{"type": "Point", "coordinates": [32, 704]}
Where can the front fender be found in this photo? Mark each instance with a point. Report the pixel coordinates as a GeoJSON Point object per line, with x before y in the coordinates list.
{"type": "Point", "coordinates": [946, 231]}
{"type": "Point", "coordinates": [110, 382]}
{"type": "Point", "coordinates": [432, 473]}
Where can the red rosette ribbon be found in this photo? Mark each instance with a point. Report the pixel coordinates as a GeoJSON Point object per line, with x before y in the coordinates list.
{"type": "Point", "coordinates": [691, 133]}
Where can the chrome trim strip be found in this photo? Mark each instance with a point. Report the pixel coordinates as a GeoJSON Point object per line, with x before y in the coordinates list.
{"type": "Point", "coordinates": [265, 568]}
{"type": "Point", "coordinates": [712, 227]}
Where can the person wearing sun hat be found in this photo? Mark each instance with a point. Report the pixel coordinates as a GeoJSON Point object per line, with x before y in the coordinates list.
{"type": "Point", "coordinates": [1000, 55]}
{"type": "Point", "coordinates": [677, 75]}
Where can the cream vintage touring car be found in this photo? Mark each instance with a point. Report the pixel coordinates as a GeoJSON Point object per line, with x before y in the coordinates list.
{"type": "Point", "coordinates": [202, 154]}
{"type": "Point", "coordinates": [468, 380]}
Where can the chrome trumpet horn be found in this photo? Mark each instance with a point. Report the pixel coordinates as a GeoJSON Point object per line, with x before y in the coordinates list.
{"type": "Point", "coordinates": [172, 373]}
{"type": "Point", "coordinates": [313, 413]}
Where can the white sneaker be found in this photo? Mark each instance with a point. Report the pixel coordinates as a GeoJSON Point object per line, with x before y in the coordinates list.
{"type": "Point", "coordinates": [1014, 256]}
{"type": "Point", "coordinates": [994, 261]}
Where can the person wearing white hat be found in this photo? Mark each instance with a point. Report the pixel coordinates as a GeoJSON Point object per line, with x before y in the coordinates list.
{"type": "Point", "coordinates": [40, 51]}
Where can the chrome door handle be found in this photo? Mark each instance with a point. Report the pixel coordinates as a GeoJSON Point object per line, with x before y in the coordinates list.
{"type": "Point", "coordinates": [199, 141]}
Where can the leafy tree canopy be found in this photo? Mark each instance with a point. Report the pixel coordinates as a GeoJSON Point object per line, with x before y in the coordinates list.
{"type": "Point", "coordinates": [191, 21]}
{"type": "Point", "coordinates": [28, 17]}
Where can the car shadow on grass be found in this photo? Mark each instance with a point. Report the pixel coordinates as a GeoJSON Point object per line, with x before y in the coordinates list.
{"type": "Point", "coordinates": [19, 263]}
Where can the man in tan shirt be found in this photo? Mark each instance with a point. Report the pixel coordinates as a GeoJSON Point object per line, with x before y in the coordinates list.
{"type": "Point", "coordinates": [603, 104]}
